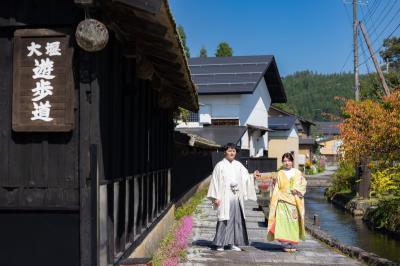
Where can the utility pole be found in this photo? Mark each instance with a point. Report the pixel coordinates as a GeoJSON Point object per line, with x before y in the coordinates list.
{"type": "Point", "coordinates": [356, 78]}
{"type": "Point", "coordinates": [377, 66]}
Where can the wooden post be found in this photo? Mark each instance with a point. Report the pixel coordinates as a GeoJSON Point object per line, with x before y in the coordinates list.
{"type": "Point", "coordinates": [94, 205]}
{"type": "Point", "coordinates": [365, 183]}
{"type": "Point", "coordinates": [316, 220]}
{"type": "Point", "coordinates": [377, 66]}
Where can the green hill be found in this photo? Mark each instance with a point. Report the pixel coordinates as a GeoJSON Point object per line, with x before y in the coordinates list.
{"type": "Point", "coordinates": [311, 94]}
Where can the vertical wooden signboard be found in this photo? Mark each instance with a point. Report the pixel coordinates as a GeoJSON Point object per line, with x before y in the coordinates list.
{"type": "Point", "coordinates": [43, 84]}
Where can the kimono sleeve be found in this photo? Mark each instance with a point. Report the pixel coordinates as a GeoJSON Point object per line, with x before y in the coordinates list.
{"type": "Point", "coordinates": [213, 189]}
{"type": "Point", "coordinates": [249, 185]}
{"type": "Point", "coordinates": [301, 184]}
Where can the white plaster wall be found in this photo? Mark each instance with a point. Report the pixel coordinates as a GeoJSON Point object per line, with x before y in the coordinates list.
{"type": "Point", "coordinates": [285, 133]}
{"type": "Point", "coordinates": [205, 114]}
{"type": "Point", "coordinates": [248, 108]}
{"type": "Point", "coordinates": [245, 141]}
{"type": "Point", "coordinates": [254, 110]}
{"type": "Point", "coordinates": [182, 124]}
{"type": "Point", "coordinates": [220, 106]}
{"type": "Point", "coordinates": [254, 107]}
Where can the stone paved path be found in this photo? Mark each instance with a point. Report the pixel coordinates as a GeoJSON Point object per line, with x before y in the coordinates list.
{"type": "Point", "coordinates": [321, 179]}
{"type": "Point", "coordinates": [260, 252]}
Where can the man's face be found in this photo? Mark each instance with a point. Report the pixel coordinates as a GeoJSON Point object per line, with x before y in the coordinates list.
{"type": "Point", "coordinates": [230, 154]}
{"type": "Point", "coordinates": [287, 163]}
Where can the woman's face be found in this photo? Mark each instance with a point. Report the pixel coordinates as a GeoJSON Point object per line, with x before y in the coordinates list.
{"type": "Point", "coordinates": [287, 163]}
{"type": "Point", "coordinates": [230, 154]}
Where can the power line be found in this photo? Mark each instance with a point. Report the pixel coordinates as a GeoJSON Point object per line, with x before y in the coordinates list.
{"type": "Point", "coordinates": [351, 23]}
{"type": "Point", "coordinates": [347, 13]}
{"type": "Point", "coordinates": [377, 26]}
{"type": "Point", "coordinates": [346, 61]}
{"type": "Point", "coordinates": [379, 49]}
{"type": "Point", "coordinates": [371, 11]}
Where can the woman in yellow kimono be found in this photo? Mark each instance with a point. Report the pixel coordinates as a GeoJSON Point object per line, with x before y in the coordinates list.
{"type": "Point", "coordinates": [286, 210]}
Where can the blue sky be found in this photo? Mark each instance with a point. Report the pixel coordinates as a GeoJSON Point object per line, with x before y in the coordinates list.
{"type": "Point", "coordinates": [302, 34]}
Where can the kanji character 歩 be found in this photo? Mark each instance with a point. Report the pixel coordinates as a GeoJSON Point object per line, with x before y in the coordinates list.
{"type": "Point", "coordinates": [33, 49]}
{"type": "Point", "coordinates": [43, 89]}
{"type": "Point", "coordinates": [43, 69]}
{"type": "Point", "coordinates": [42, 111]}
{"type": "Point", "coordinates": [53, 48]}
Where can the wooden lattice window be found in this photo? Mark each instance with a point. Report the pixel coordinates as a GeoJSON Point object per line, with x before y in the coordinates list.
{"type": "Point", "coordinates": [225, 122]}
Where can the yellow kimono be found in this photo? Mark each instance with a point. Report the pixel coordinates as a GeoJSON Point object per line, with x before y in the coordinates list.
{"type": "Point", "coordinates": [286, 210]}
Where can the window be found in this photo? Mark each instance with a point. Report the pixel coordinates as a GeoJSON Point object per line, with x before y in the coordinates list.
{"type": "Point", "coordinates": [193, 117]}
{"type": "Point", "coordinates": [225, 122]}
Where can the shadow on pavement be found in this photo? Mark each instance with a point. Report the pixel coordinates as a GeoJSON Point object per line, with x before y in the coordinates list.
{"type": "Point", "coordinates": [262, 224]}
{"type": "Point", "coordinates": [203, 243]}
{"type": "Point", "coordinates": [266, 246]}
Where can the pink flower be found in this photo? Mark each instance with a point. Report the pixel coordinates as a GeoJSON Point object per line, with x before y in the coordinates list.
{"type": "Point", "coordinates": [179, 244]}
{"type": "Point", "coordinates": [171, 261]}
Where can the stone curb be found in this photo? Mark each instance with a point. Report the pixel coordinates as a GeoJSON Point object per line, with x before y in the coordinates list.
{"type": "Point", "coordinates": [354, 252]}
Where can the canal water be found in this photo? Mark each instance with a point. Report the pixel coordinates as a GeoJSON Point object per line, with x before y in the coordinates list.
{"type": "Point", "coordinates": [348, 229]}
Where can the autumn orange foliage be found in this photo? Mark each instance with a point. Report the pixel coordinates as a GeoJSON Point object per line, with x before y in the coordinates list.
{"type": "Point", "coordinates": [371, 129]}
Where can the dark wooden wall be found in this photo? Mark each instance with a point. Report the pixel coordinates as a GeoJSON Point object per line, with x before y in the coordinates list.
{"type": "Point", "coordinates": [110, 176]}
{"type": "Point", "coordinates": [39, 172]}
{"type": "Point", "coordinates": [191, 166]}
{"type": "Point", "coordinates": [134, 137]}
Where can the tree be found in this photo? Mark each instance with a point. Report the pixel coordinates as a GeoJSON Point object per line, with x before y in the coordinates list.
{"type": "Point", "coordinates": [371, 133]}
{"type": "Point", "coordinates": [285, 107]}
{"type": "Point", "coordinates": [371, 87]}
{"type": "Point", "coordinates": [224, 49]}
{"type": "Point", "coordinates": [391, 53]}
{"type": "Point", "coordinates": [311, 94]}
{"type": "Point", "coordinates": [203, 52]}
{"type": "Point", "coordinates": [182, 36]}
{"type": "Point", "coordinates": [371, 129]}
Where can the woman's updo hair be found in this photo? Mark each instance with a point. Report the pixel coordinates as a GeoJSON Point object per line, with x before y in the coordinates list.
{"type": "Point", "coordinates": [289, 156]}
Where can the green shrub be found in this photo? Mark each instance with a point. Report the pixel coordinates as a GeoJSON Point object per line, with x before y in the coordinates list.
{"type": "Point", "coordinates": [344, 179]}
{"type": "Point", "coordinates": [386, 215]}
{"type": "Point", "coordinates": [190, 207]}
{"type": "Point", "coordinates": [385, 181]}
{"type": "Point", "coordinates": [309, 171]}
{"type": "Point", "coordinates": [320, 168]}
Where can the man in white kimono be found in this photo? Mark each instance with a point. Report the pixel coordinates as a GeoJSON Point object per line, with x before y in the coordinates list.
{"type": "Point", "coordinates": [230, 186]}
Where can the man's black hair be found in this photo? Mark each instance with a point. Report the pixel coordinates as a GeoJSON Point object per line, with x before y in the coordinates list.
{"type": "Point", "coordinates": [230, 146]}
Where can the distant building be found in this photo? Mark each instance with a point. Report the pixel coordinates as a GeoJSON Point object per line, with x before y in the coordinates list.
{"type": "Point", "coordinates": [284, 138]}
{"type": "Point", "coordinates": [235, 92]}
{"type": "Point", "coordinates": [329, 139]}
{"type": "Point", "coordinates": [291, 133]}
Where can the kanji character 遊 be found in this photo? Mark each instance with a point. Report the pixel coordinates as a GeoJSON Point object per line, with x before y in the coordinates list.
{"type": "Point", "coordinates": [43, 69]}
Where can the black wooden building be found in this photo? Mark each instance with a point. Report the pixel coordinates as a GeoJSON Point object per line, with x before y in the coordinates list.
{"type": "Point", "coordinates": [86, 192]}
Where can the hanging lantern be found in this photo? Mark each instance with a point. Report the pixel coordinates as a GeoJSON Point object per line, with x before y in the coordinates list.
{"type": "Point", "coordinates": [91, 35]}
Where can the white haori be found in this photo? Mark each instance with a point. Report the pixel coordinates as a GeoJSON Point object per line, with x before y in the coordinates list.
{"type": "Point", "coordinates": [225, 174]}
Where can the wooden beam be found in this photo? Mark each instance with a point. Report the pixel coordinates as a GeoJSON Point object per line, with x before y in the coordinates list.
{"type": "Point", "coordinates": [168, 73]}
{"type": "Point", "coordinates": [129, 49]}
{"type": "Point", "coordinates": [142, 25]}
{"type": "Point", "coordinates": [150, 40]}
{"type": "Point", "coordinates": [158, 53]}
{"type": "Point", "coordinates": [166, 63]}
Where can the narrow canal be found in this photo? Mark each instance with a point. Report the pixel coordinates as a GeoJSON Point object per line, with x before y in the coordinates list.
{"type": "Point", "coordinates": [348, 229]}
